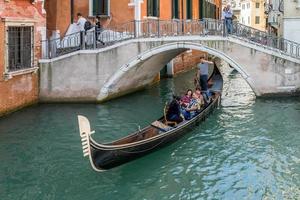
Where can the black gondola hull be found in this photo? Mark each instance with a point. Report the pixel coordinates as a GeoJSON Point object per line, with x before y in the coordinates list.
{"type": "Point", "coordinates": [106, 159]}
{"type": "Point", "coordinates": [151, 138]}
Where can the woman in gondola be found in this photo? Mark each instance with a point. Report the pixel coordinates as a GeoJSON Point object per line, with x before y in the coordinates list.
{"type": "Point", "coordinates": [194, 107]}
{"type": "Point", "coordinates": [186, 99]}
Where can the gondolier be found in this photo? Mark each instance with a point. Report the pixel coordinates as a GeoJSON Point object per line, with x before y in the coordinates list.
{"type": "Point", "coordinates": [203, 73]}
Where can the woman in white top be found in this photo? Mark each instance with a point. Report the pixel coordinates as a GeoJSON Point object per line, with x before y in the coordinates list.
{"type": "Point", "coordinates": [81, 21]}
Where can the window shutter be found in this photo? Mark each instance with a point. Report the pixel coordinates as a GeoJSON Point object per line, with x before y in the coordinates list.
{"type": "Point", "coordinates": [95, 6]}
{"type": "Point", "coordinates": [157, 8]}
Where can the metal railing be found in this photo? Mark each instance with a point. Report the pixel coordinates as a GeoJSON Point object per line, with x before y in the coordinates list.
{"type": "Point", "coordinates": [262, 38]}
{"type": "Point", "coordinates": [93, 39]}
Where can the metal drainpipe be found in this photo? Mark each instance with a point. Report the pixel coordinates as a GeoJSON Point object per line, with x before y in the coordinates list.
{"type": "Point", "coordinates": [182, 15]}
{"type": "Point", "coordinates": [72, 11]}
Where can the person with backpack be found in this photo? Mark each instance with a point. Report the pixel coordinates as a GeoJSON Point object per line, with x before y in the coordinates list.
{"type": "Point", "coordinates": [87, 25]}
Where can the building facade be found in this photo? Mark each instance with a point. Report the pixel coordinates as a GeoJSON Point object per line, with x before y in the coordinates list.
{"type": "Point", "coordinates": [253, 14]}
{"type": "Point", "coordinates": [60, 14]}
{"type": "Point", "coordinates": [274, 10]}
{"type": "Point", "coordinates": [291, 20]}
{"type": "Point", "coordinates": [284, 19]}
{"type": "Point", "coordinates": [236, 8]}
{"type": "Point", "coordinates": [22, 27]}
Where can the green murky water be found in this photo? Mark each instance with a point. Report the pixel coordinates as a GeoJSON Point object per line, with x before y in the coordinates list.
{"type": "Point", "coordinates": [248, 149]}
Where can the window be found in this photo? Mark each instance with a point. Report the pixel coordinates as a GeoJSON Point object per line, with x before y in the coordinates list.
{"type": "Point", "coordinates": [20, 47]}
{"type": "Point", "coordinates": [100, 7]}
{"type": "Point", "coordinates": [153, 8]}
{"type": "Point", "coordinates": [175, 9]}
{"type": "Point", "coordinates": [248, 5]}
{"type": "Point", "coordinates": [248, 20]}
{"type": "Point", "coordinates": [256, 19]}
{"type": "Point", "coordinates": [189, 10]}
{"type": "Point", "coordinates": [207, 10]}
{"type": "Point", "coordinates": [256, 5]}
{"type": "Point", "coordinates": [243, 21]}
{"type": "Point", "coordinates": [243, 6]}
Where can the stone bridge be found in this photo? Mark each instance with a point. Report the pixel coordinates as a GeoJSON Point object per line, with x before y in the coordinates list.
{"type": "Point", "coordinates": [126, 66]}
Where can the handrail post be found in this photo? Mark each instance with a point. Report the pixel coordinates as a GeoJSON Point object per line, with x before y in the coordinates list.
{"type": "Point", "coordinates": [46, 49]}
{"type": "Point", "coordinates": [135, 29]}
{"type": "Point", "coordinates": [177, 22]}
{"type": "Point", "coordinates": [158, 28]}
{"type": "Point", "coordinates": [182, 27]}
{"type": "Point", "coordinates": [224, 28]}
{"type": "Point", "coordinates": [148, 28]}
{"type": "Point", "coordinates": [82, 40]}
{"type": "Point", "coordinates": [53, 47]}
{"type": "Point", "coordinates": [95, 39]}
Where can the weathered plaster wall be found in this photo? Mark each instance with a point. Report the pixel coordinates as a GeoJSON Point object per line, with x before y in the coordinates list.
{"type": "Point", "coordinates": [78, 77]}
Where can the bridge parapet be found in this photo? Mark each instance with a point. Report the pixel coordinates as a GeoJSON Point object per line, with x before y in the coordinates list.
{"type": "Point", "coordinates": [151, 28]}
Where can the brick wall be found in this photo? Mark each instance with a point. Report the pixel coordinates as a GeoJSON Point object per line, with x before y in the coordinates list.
{"type": "Point", "coordinates": [20, 90]}
{"type": "Point", "coordinates": [187, 61]}
{"type": "Point", "coordinates": [121, 12]}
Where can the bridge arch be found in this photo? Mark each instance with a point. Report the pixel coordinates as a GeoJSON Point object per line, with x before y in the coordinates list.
{"type": "Point", "coordinates": [142, 69]}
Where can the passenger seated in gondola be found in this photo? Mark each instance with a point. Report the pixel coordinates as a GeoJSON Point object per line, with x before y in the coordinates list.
{"type": "Point", "coordinates": [186, 99]}
{"type": "Point", "coordinates": [204, 96]}
{"type": "Point", "coordinates": [194, 107]}
{"type": "Point", "coordinates": [173, 112]}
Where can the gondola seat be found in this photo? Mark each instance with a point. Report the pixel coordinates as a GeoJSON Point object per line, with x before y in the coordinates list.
{"type": "Point", "coordinates": [161, 126]}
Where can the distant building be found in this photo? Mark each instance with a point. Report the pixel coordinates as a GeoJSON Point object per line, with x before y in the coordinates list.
{"type": "Point", "coordinates": [253, 14]}
{"type": "Point", "coordinates": [291, 20]}
{"type": "Point", "coordinates": [22, 27]}
{"type": "Point", "coordinates": [284, 19]}
{"type": "Point", "coordinates": [236, 8]}
{"type": "Point", "coordinates": [274, 10]}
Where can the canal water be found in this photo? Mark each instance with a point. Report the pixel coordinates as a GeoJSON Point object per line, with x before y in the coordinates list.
{"type": "Point", "coordinates": [248, 149]}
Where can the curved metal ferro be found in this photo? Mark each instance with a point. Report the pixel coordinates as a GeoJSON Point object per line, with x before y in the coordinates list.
{"type": "Point", "coordinates": [85, 134]}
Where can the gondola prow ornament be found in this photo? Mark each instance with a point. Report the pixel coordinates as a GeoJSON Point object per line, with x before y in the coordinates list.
{"type": "Point", "coordinates": [85, 133]}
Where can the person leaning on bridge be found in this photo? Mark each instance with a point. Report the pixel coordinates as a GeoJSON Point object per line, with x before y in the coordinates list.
{"type": "Point", "coordinates": [228, 18]}
{"type": "Point", "coordinates": [203, 72]}
{"type": "Point", "coordinates": [80, 21]}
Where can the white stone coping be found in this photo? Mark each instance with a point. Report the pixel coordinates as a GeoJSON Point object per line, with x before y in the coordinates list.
{"type": "Point", "coordinates": [10, 75]}
{"type": "Point", "coordinates": [287, 88]}
{"type": "Point", "coordinates": [175, 38]}
{"type": "Point", "coordinates": [246, 43]}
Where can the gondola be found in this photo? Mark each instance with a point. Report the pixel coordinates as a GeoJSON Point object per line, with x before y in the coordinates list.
{"type": "Point", "coordinates": [155, 136]}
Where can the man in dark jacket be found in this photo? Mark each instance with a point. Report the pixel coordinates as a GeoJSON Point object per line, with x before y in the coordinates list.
{"type": "Point", "coordinates": [174, 112]}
